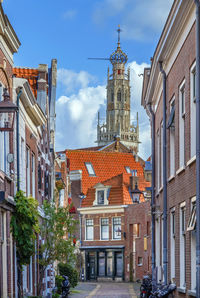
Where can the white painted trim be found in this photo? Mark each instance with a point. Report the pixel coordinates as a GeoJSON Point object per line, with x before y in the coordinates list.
{"type": "Point", "coordinates": [102, 209]}
{"type": "Point", "coordinates": [183, 204]}
{"type": "Point", "coordinates": [171, 178]}
{"type": "Point", "coordinates": [172, 209]}
{"type": "Point", "coordinates": [193, 159]}
{"type": "Point", "coordinates": [105, 189]}
{"type": "Point", "coordinates": [193, 199]}
{"type": "Point", "coordinates": [181, 21]}
{"type": "Point", "coordinates": [113, 227]}
{"type": "Point", "coordinates": [108, 229]}
{"type": "Point", "coordinates": [180, 170]}
{"type": "Point", "coordinates": [86, 229]}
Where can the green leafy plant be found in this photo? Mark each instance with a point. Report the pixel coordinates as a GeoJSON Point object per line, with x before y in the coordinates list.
{"type": "Point", "coordinates": [24, 227]}
{"type": "Point", "coordinates": [58, 281]}
{"type": "Point", "coordinates": [56, 229]}
{"type": "Point", "coordinates": [67, 269]}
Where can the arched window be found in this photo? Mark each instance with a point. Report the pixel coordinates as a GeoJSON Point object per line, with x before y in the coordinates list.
{"type": "Point", "coordinates": [119, 95]}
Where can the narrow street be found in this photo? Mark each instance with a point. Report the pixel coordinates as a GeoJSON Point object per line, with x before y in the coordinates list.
{"type": "Point", "coordinates": [104, 290]}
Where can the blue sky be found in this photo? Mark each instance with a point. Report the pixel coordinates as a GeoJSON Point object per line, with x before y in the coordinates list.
{"type": "Point", "coordinates": [72, 31]}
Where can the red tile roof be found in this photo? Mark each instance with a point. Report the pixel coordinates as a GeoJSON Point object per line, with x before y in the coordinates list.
{"type": "Point", "coordinates": [109, 167]}
{"type": "Point", "coordinates": [31, 74]}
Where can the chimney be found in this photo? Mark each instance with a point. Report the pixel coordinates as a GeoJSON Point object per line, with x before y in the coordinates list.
{"type": "Point", "coordinates": [133, 179]}
{"type": "Point", "coordinates": [42, 86]}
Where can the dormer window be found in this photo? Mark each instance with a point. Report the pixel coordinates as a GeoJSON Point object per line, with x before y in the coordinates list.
{"type": "Point", "coordinates": [100, 197]}
{"type": "Point", "coordinates": [101, 194]}
{"type": "Point", "coordinates": [90, 169]}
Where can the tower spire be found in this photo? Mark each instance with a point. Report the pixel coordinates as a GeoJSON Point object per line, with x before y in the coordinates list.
{"type": "Point", "coordinates": [119, 30]}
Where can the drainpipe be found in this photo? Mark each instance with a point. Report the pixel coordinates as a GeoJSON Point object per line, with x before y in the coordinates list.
{"type": "Point", "coordinates": [17, 138]}
{"type": "Point", "coordinates": [164, 178]}
{"type": "Point", "coordinates": [197, 148]}
{"type": "Point", "coordinates": [153, 190]}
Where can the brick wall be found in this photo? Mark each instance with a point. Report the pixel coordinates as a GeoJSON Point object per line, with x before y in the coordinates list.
{"type": "Point", "coordinates": [182, 186]}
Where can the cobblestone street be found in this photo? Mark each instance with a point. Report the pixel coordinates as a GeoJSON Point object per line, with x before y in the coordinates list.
{"type": "Point", "coordinates": [105, 290]}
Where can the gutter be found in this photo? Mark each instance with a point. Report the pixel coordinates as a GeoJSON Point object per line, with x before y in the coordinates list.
{"type": "Point", "coordinates": [165, 250]}
{"type": "Point", "coordinates": [17, 138]}
{"type": "Point", "coordinates": [153, 190]}
{"type": "Point", "coordinates": [197, 3]}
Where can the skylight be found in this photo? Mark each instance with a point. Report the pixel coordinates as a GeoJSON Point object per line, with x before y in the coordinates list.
{"type": "Point", "coordinates": [128, 170]}
{"type": "Point", "coordinates": [90, 169]}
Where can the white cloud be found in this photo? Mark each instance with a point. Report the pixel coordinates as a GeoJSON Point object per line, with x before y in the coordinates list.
{"type": "Point", "coordinates": [72, 80]}
{"type": "Point", "coordinates": [69, 14]}
{"type": "Point", "coordinates": [76, 117]}
{"type": "Point", "coordinates": [136, 81]}
{"type": "Point", "coordinates": [76, 114]}
{"type": "Point", "coordinates": [140, 20]}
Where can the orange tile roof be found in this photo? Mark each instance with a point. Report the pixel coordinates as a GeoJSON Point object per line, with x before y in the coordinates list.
{"type": "Point", "coordinates": [31, 74]}
{"type": "Point", "coordinates": [109, 167]}
{"type": "Point", "coordinates": [119, 191]}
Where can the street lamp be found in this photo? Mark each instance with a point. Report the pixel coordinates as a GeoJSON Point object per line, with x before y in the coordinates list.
{"type": "Point", "coordinates": [7, 112]}
{"type": "Point", "coordinates": [136, 194]}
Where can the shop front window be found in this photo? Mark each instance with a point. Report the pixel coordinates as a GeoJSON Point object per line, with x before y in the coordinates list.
{"type": "Point", "coordinates": [101, 264]}
{"type": "Point", "coordinates": [109, 264]}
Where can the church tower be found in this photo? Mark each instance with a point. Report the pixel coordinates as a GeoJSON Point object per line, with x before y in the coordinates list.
{"type": "Point", "coordinates": [118, 105]}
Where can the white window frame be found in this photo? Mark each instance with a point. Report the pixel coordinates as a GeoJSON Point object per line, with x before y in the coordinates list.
{"type": "Point", "coordinates": [158, 161]}
{"type": "Point", "coordinates": [86, 232]}
{"type": "Point", "coordinates": [90, 169]}
{"type": "Point", "coordinates": [182, 251]}
{"type": "Point", "coordinates": [128, 170]}
{"type": "Point", "coordinates": [172, 143]}
{"type": "Point", "coordinates": [101, 188]}
{"type": "Point", "coordinates": [182, 124]}
{"type": "Point", "coordinates": [158, 246]}
{"type": "Point", "coordinates": [161, 153]}
{"type": "Point", "coordinates": [192, 110]}
{"type": "Point", "coordinates": [140, 264]}
{"type": "Point", "coordinates": [107, 225]}
{"type": "Point", "coordinates": [172, 242]}
{"type": "Point", "coordinates": [33, 173]}
{"type": "Point", "coordinates": [61, 197]}
{"type": "Point", "coordinates": [193, 250]}
{"type": "Point", "coordinates": [28, 173]}
{"type": "Point", "coordinates": [113, 226]}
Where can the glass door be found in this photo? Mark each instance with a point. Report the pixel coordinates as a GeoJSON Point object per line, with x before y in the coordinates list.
{"type": "Point", "coordinates": [91, 267]}
{"type": "Point", "coordinates": [119, 264]}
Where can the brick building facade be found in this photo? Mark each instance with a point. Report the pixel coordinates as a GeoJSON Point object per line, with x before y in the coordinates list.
{"type": "Point", "coordinates": [36, 152]}
{"type": "Point", "coordinates": [176, 51]}
{"type": "Point", "coordinates": [9, 45]}
{"type": "Point", "coordinates": [101, 185]}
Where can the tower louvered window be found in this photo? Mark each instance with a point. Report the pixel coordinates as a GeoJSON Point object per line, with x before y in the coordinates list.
{"type": "Point", "coordinates": [119, 95]}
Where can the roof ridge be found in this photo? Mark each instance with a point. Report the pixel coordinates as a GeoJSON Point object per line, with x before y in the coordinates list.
{"type": "Point", "coordinates": [100, 152]}
{"type": "Point", "coordinates": [25, 67]}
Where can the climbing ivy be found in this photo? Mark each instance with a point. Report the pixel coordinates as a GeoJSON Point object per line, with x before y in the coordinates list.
{"type": "Point", "coordinates": [25, 226]}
